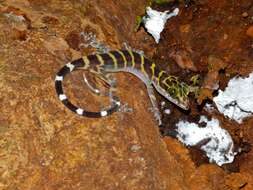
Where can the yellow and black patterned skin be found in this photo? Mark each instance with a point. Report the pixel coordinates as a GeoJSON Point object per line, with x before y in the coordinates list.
{"type": "Point", "coordinates": [117, 61]}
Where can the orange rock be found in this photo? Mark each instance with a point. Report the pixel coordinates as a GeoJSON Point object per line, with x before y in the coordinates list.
{"type": "Point", "coordinates": [185, 28]}
{"type": "Point", "coordinates": [249, 32]}
{"type": "Point", "coordinates": [211, 80]}
{"type": "Point", "coordinates": [19, 34]}
{"type": "Point", "coordinates": [236, 181]}
{"type": "Point", "coordinates": [183, 60]}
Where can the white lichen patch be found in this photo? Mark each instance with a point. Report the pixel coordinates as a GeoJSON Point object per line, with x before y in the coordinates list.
{"type": "Point", "coordinates": [236, 101]}
{"type": "Point", "coordinates": [167, 111]}
{"type": "Point", "coordinates": [14, 17]}
{"type": "Point", "coordinates": [212, 139]}
{"type": "Point", "coordinates": [154, 21]}
{"type": "Point", "coordinates": [209, 108]}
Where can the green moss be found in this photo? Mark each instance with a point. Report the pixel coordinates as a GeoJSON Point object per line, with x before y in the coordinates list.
{"type": "Point", "coordinates": [160, 2]}
{"type": "Point", "coordinates": [150, 3]}
{"type": "Point", "coordinates": [210, 67]}
{"type": "Point", "coordinates": [138, 22]}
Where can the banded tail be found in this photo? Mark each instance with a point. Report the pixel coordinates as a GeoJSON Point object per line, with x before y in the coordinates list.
{"type": "Point", "coordinates": [68, 68]}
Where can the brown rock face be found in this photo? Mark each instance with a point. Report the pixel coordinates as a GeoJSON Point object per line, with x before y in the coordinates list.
{"type": "Point", "coordinates": [45, 146]}
{"type": "Point", "coordinates": [249, 31]}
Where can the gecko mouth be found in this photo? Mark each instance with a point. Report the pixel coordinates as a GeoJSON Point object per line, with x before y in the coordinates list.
{"type": "Point", "coordinates": [184, 103]}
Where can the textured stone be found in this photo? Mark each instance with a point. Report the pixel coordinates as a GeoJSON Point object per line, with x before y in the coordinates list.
{"type": "Point", "coordinates": [249, 31]}
{"type": "Point", "coordinates": [45, 146]}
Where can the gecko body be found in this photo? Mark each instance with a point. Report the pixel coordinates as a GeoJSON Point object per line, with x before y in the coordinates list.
{"type": "Point", "coordinates": [123, 61]}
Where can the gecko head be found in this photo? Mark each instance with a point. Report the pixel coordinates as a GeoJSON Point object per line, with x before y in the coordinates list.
{"type": "Point", "coordinates": [177, 92]}
{"type": "Point", "coordinates": [182, 102]}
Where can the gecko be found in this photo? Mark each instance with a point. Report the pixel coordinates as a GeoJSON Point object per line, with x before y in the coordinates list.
{"type": "Point", "coordinates": [102, 65]}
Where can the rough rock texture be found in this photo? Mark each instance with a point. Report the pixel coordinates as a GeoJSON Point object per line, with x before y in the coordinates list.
{"type": "Point", "coordinates": [217, 36]}
{"type": "Point", "coordinates": [45, 146]}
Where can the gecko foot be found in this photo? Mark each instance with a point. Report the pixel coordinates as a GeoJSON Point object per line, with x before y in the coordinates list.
{"type": "Point", "coordinates": [125, 108]}
{"type": "Point", "coordinates": [157, 115]}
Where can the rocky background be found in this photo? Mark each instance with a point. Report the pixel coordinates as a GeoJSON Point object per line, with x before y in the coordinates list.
{"type": "Point", "coordinates": [45, 146]}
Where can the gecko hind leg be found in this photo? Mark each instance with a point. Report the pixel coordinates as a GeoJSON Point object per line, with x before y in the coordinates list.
{"type": "Point", "coordinates": [154, 109]}
{"type": "Point", "coordinates": [114, 100]}
{"type": "Point", "coordinates": [90, 86]}
{"type": "Point", "coordinates": [111, 82]}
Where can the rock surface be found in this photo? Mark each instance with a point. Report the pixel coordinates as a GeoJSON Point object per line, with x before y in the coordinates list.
{"type": "Point", "coordinates": [45, 146]}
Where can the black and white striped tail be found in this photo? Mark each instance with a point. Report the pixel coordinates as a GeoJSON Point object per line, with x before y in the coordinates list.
{"type": "Point", "coordinates": [63, 98]}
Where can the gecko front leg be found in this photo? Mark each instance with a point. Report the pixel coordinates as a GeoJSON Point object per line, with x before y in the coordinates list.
{"type": "Point", "coordinates": [154, 109]}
